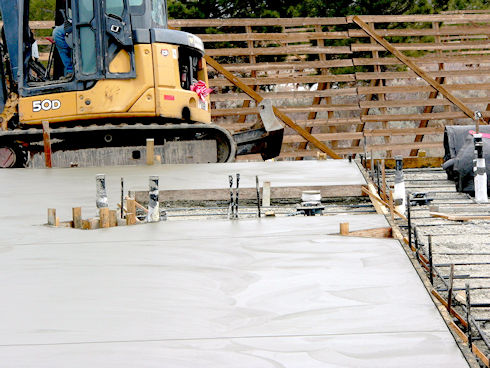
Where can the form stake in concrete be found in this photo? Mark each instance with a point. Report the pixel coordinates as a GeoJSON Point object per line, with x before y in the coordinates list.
{"type": "Point", "coordinates": [104, 217]}
{"type": "Point", "coordinates": [431, 276]}
{"type": "Point", "coordinates": [122, 197]}
{"type": "Point", "coordinates": [450, 292]}
{"type": "Point", "coordinates": [480, 172]}
{"type": "Point", "coordinates": [77, 217]}
{"type": "Point", "coordinates": [344, 228]}
{"type": "Point", "coordinates": [409, 220]}
{"type": "Point", "coordinates": [52, 216]}
{"type": "Point", "coordinates": [257, 188]}
{"type": "Point", "coordinates": [153, 204]}
{"type": "Point", "coordinates": [47, 144]}
{"type": "Point", "coordinates": [131, 211]}
{"type": "Point", "coordinates": [101, 192]}
{"type": "Point", "coordinates": [266, 194]}
{"type": "Point", "coordinates": [237, 195]}
{"type": "Point", "coordinates": [468, 314]}
{"type": "Point", "coordinates": [230, 207]}
{"type": "Point", "coordinates": [399, 195]}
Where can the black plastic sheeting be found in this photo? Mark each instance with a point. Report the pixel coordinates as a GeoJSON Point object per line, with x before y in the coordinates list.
{"type": "Point", "coordinates": [459, 154]}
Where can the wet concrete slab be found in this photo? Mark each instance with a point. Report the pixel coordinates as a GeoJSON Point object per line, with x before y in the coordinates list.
{"type": "Point", "coordinates": [249, 293]}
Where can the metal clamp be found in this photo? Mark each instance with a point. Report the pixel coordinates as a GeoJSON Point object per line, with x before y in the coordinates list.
{"type": "Point", "coordinates": [478, 115]}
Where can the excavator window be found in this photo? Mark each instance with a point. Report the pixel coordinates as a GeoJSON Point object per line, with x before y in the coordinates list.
{"type": "Point", "coordinates": [87, 37]}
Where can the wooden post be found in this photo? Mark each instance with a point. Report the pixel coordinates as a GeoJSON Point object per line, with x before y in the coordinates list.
{"type": "Point", "coordinates": [52, 216]}
{"type": "Point", "coordinates": [47, 144]}
{"type": "Point", "coordinates": [266, 194]}
{"type": "Point", "coordinates": [150, 151]}
{"type": "Point", "coordinates": [104, 217]}
{"type": "Point", "coordinates": [77, 217]}
{"type": "Point", "coordinates": [112, 218]}
{"type": "Point", "coordinates": [344, 228]}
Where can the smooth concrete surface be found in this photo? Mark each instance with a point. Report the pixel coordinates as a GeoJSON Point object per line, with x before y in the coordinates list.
{"type": "Point", "coordinates": [250, 293]}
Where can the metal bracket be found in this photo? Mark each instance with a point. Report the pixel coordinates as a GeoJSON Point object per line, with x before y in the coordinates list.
{"type": "Point", "coordinates": [271, 123]}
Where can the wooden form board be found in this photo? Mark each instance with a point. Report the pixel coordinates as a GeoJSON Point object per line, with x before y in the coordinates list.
{"type": "Point", "coordinates": [332, 79]}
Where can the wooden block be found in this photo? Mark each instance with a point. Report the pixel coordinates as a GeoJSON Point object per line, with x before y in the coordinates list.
{"type": "Point", "coordinates": [130, 218]}
{"type": "Point", "coordinates": [344, 228]}
{"type": "Point", "coordinates": [112, 218]}
{"type": "Point", "coordinates": [77, 217]}
{"type": "Point", "coordinates": [266, 194]}
{"type": "Point", "coordinates": [270, 213]}
{"type": "Point", "coordinates": [150, 151]}
{"type": "Point", "coordinates": [104, 217]}
{"type": "Point", "coordinates": [52, 216]}
{"type": "Point", "coordinates": [85, 224]}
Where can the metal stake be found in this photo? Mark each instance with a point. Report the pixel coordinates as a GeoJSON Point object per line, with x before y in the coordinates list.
{"type": "Point", "coordinates": [230, 208]}
{"type": "Point", "coordinates": [468, 314]}
{"type": "Point", "coordinates": [431, 276]}
{"type": "Point", "coordinates": [257, 187]}
{"type": "Point", "coordinates": [122, 197]}
{"type": "Point", "coordinates": [372, 166]}
{"type": "Point", "coordinates": [237, 193]}
{"type": "Point", "coordinates": [450, 292]}
{"type": "Point", "coordinates": [378, 179]}
{"type": "Point", "coordinates": [101, 193]}
{"type": "Point", "coordinates": [409, 220]}
{"type": "Point", "coordinates": [416, 243]}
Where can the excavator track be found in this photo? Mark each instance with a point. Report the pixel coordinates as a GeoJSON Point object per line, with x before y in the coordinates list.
{"type": "Point", "coordinates": [15, 145]}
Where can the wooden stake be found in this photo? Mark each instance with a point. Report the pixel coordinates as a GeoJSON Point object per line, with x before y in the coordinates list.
{"type": "Point", "coordinates": [77, 217]}
{"type": "Point", "coordinates": [104, 217]}
{"type": "Point", "coordinates": [112, 218]}
{"type": "Point", "coordinates": [150, 151]}
{"type": "Point", "coordinates": [130, 218]}
{"type": "Point", "coordinates": [266, 194]}
{"type": "Point", "coordinates": [392, 207]}
{"type": "Point", "coordinates": [344, 228]}
{"type": "Point", "coordinates": [131, 206]}
{"type": "Point", "coordinates": [52, 216]}
{"type": "Point", "coordinates": [383, 180]}
{"type": "Point", "coordinates": [47, 144]}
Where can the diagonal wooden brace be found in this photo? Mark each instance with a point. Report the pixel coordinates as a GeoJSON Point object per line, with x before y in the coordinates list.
{"type": "Point", "coordinates": [417, 70]}
{"type": "Point", "coordinates": [258, 98]}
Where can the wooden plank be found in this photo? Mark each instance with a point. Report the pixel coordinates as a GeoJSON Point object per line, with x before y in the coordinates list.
{"type": "Point", "coordinates": [323, 137]}
{"type": "Point", "coordinates": [426, 59]}
{"type": "Point", "coordinates": [402, 131]}
{"type": "Point", "coordinates": [280, 50]}
{"type": "Point", "coordinates": [422, 88]}
{"type": "Point", "coordinates": [464, 18]}
{"type": "Point", "coordinates": [451, 311]}
{"type": "Point", "coordinates": [288, 65]}
{"type": "Point", "coordinates": [387, 205]}
{"type": "Point", "coordinates": [291, 109]}
{"type": "Point", "coordinates": [262, 81]}
{"type": "Point", "coordinates": [411, 162]}
{"type": "Point", "coordinates": [402, 146]}
{"type": "Point", "coordinates": [480, 355]}
{"type": "Point", "coordinates": [229, 96]}
{"type": "Point", "coordinates": [386, 45]}
{"type": "Point", "coordinates": [289, 37]}
{"type": "Point", "coordinates": [431, 116]}
{"type": "Point", "coordinates": [223, 194]}
{"type": "Point", "coordinates": [452, 217]}
{"type": "Point", "coordinates": [257, 22]}
{"type": "Point", "coordinates": [410, 32]}
{"type": "Point", "coordinates": [382, 232]}
{"type": "Point", "coordinates": [432, 74]}
{"type": "Point", "coordinates": [240, 84]}
{"type": "Point", "coordinates": [447, 46]}
{"type": "Point", "coordinates": [430, 101]}
{"type": "Point", "coordinates": [458, 332]}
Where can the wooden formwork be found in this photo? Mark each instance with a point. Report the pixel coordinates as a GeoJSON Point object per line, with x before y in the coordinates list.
{"type": "Point", "coordinates": [342, 86]}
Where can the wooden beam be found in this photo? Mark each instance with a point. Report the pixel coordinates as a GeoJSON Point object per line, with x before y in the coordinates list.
{"type": "Point", "coordinates": [258, 98]}
{"type": "Point", "coordinates": [381, 232]}
{"type": "Point", "coordinates": [47, 144]}
{"type": "Point", "coordinates": [468, 112]}
{"type": "Point", "coordinates": [379, 200]}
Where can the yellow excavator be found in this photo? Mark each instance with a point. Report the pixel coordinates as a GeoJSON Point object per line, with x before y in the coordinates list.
{"type": "Point", "coordinates": [133, 79]}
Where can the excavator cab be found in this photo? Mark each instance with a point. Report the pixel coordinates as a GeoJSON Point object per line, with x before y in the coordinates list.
{"type": "Point", "coordinates": [133, 79]}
